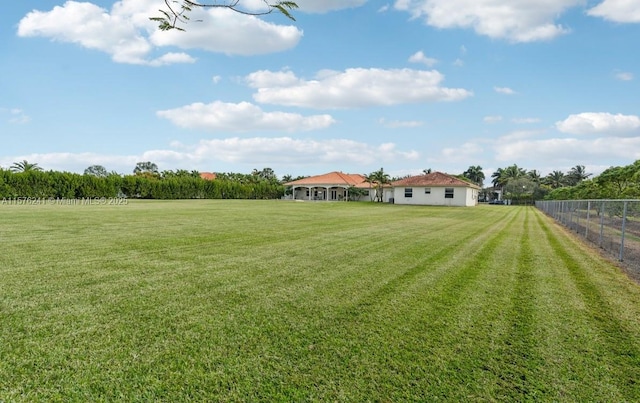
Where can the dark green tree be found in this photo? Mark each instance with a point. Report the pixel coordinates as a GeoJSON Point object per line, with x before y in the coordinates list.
{"type": "Point", "coordinates": [146, 168]}
{"type": "Point", "coordinates": [520, 190]}
{"type": "Point", "coordinates": [97, 171]}
{"type": "Point", "coordinates": [266, 174]}
{"type": "Point", "coordinates": [620, 182]}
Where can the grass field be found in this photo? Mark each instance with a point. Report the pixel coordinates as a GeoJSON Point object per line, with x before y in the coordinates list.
{"type": "Point", "coordinates": [288, 301]}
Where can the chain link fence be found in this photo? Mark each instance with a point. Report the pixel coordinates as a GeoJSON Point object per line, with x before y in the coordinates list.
{"type": "Point", "coordinates": [613, 225]}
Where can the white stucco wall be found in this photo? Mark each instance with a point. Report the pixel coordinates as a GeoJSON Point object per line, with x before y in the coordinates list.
{"type": "Point", "coordinates": [462, 196]}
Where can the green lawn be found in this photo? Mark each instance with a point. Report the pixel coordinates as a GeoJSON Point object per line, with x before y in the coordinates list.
{"type": "Point", "coordinates": [291, 301]}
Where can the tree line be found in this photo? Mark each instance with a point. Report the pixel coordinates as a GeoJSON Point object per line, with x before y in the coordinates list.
{"type": "Point", "coordinates": [522, 185]}
{"type": "Point", "coordinates": [28, 180]}
{"type": "Point", "coordinates": [525, 186]}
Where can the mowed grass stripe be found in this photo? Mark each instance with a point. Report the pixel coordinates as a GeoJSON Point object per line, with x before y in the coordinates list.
{"type": "Point", "coordinates": [455, 331]}
{"type": "Point", "coordinates": [415, 260]}
{"type": "Point", "coordinates": [520, 363]}
{"type": "Point", "coordinates": [617, 352]}
{"type": "Point", "coordinates": [386, 340]}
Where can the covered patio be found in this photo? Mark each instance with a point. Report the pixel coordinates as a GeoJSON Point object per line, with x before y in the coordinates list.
{"type": "Point", "coordinates": [333, 186]}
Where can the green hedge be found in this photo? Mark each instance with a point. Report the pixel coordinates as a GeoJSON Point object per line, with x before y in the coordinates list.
{"type": "Point", "coordinates": [54, 184]}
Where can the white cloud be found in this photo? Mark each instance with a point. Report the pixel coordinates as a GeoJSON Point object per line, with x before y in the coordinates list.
{"type": "Point", "coordinates": [241, 117]}
{"type": "Point", "coordinates": [525, 120]}
{"type": "Point", "coordinates": [286, 150]}
{"type": "Point", "coordinates": [600, 123]}
{"type": "Point", "coordinates": [617, 10]}
{"type": "Point", "coordinates": [278, 153]}
{"type": "Point", "coordinates": [126, 33]}
{"type": "Point", "coordinates": [172, 58]}
{"type": "Point", "coordinates": [89, 26]}
{"type": "Point", "coordinates": [504, 90]}
{"type": "Point", "coordinates": [15, 116]}
{"type": "Point", "coordinates": [551, 151]}
{"type": "Point", "coordinates": [75, 162]}
{"type": "Point", "coordinates": [466, 152]}
{"type": "Point", "coordinates": [397, 124]}
{"type": "Point", "coordinates": [231, 33]}
{"type": "Point", "coordinates": [266, 78]}
{"type": "Point", "coordinates": [420, 57]}
{"type": "Point", "coordinates": [624, 76]}
{"type": "Point", "coordinates": [216, 79]}
{"type": "Point", "coordinates": [354, 88]}
{"type": "Point", "coordinates": [492, 119]}
{"type": "Point", "coordinates": [514, 20]}
{"type": "Point", "coordinates": [518, 135]}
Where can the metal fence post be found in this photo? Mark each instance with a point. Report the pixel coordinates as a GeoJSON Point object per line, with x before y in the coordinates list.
{"type": "Point", "coordinates": [586, 226]}
{"type": "Point", "coordinates": [563, 211]}
{"type": "Point", "coordinates": [601, 239]}
{"type": "Point", "coordinates": [624, 225]}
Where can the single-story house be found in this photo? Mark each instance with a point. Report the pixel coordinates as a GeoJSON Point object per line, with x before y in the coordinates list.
{"type": "Point", "coordinates": [333, 186]}
{"type": "Point", "coordinates": [434, 189]}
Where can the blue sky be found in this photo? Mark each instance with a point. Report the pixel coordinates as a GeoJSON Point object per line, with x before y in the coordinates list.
{"type": "Point", "coordinates": [351, 85]}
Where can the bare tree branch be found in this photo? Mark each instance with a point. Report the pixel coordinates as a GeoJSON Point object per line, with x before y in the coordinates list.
{"type": "Point", "coordinates": [177, 14]}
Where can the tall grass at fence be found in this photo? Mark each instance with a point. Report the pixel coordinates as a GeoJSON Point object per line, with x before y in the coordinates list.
{"type": "Point", "coordinates": [611, 225]}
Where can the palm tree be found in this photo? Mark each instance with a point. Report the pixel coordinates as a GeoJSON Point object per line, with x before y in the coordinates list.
{"type": "Point", "coordinates": [534, 175]}
{"type": "Point", "coordinates": [504, 175]}
{"type": "Point", "coordinates": [379, 178]}
{"type": "Point", "coordinates": [475, 175]}
{"type": "Point", "coordinates": [556, 179]}
{"type": "Point", "coordinates": [497, 176]}
{"type": "Point", "coordinates": [514, 172]}
{"type": "Point", "coordinates": [25, 166]}
{"type": "Point", "coordinates": [576, 175]}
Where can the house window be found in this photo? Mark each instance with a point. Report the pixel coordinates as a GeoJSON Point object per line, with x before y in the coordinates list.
{"type": "Point", "coordinates": [448, 193]}
{"type": "Point", "coordinates": [366, 193]}
{"type": "Point", "coordinates": [408, 192]}
{"type": "Point", "coordinates": [427, 191]}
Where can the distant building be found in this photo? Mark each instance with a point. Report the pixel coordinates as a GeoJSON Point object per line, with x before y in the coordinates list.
{"type": "Point", "coordinates": [333, 186]}
{"type": "Point", "coordinates": [209, 176]}
{"type": "Point", "coordinates": [434, 189]}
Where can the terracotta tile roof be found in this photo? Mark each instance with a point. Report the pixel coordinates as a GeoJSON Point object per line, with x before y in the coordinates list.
{"type": "Point", "coordinates": [332, 178]}
{"type": "Point", "coordinates": [434, 179]}
{"type": "Point", "coordinates": [207, 176]}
